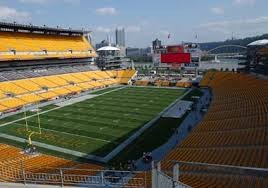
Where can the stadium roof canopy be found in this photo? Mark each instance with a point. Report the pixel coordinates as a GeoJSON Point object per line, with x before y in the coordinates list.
{"type": "Point", "coordinates": [15, 27]}
{"type": "Point", "coordinates": [259, 43]}
{"type": "Point", "coordinates": [108, 48]}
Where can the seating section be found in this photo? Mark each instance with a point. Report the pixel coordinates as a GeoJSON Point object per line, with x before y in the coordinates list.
{"type": "Point", "coordinates": [162, 83]}
{"type": "Point", "coordinates": [123, 76]}
{"type": "Point", "coordinates": [17, 93]}
{"type": "Point", "coordinates": [184, 84]}
{"type": "Point", "coordinates": [233, 132]}
{"type": "Point", "coordinates": [13, 159]}
{"type": "Point", "coordinates": [142, 83]}
{"type": "Point", "coordinates": [30, 46]}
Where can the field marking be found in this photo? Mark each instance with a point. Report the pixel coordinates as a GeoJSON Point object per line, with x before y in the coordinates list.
{"type": "Point", "coordinates": [56, 108]}
{"type": "Point", "coordinates": [82, 136]}
{"type": "Point", "coordinates": [72, 152]}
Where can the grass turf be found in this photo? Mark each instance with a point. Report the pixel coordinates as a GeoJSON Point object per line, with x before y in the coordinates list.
{"type": "Point", "coordinates": [96, 126]}
{"type": "Point", "coordinates": [153, 137]}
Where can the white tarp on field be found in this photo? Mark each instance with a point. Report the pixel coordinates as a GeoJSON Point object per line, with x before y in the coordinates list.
{"type": "Point", "coordinates": [178, 109]}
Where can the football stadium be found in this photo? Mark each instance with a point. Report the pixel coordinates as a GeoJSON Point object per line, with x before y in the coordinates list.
{"type": "Point", "coordinates": [65, 122]}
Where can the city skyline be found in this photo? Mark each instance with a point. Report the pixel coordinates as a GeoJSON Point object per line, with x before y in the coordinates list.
{"type": "Point", "coordinates": [171, 21]}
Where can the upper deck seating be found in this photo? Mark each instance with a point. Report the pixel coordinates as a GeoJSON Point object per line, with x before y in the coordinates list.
{"type": "Point", "coordinates": [30, 46]}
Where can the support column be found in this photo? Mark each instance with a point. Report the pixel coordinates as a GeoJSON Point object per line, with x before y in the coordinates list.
{"type": "Point", "coordinates": [176, 172]}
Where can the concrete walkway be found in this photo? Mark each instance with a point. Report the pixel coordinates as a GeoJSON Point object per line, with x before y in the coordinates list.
{"type": "Point", "coordinates": [192, 120]}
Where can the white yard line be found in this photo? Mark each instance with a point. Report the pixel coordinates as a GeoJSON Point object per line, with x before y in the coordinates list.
{"type": "Point", "coordinates": [88, 137]}
{"type": "Point", "coordinates": [56, 108]}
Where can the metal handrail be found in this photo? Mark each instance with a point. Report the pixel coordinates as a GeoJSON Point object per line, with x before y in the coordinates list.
{"type": "Point", "coordinates": [239, 170]}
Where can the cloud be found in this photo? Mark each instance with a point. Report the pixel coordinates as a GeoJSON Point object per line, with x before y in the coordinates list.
{"type": "Point", "coordinates": [11, 14]}
{"type": "Point", "coordinates": [217, 10]}
{"type": "Point", "coordinates": [244, 2]}
{"type": "Point", "coordinates": [103, 29]}
{"type": "Point", "coordinates": [130, 29]}
{"type": "Point", "coordinates": [242, 28]}
{"type": "Point", "coordinates": [106, 11]}
{"type": "Point", "coordinates": [40, 12]}
{"type": "Point", "coordinates": [34, 1]}
{"type": "Point", "coordinates": [246, 23]}
{"type": "Point", "coordinates": [164, 33]}
{"type": "Point", "coordinates": [133, 29]}
{"type": "Point", "coordinates": [72, 2]}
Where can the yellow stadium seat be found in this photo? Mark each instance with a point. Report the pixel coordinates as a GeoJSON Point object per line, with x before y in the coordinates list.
{"type": "Point", "coordinates": [28, 84]}
{"type": "Point", "coordinates": [57, 80]}
{"type": "Point", "coordinates": [31, 98]}
{"type": "Point", "coordinates": [11, 87]}
{"type": "Point", "coordinates": [39, 46]}
{"type": "Point", "coordinates": [61, 91]}
{"type": "Point", "coordinates": [43, 82]}
{"type": "Point", "coordinates": [12, 102]}
{"type": "Point", "coordinates": [48, 95]}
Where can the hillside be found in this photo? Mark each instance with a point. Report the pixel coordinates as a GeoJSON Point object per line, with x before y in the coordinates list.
{"type": "Point", "coordinates": [243, 42]}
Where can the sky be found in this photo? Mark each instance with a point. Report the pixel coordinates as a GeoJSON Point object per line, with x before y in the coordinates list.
{"type": "Point", "coordinates": [146, 20]}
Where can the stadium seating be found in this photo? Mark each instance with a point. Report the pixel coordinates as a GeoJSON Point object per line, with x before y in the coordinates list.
{"type": "Point", "coordinates": [141, 83]}
{"type": "Point", "coordinates": [17, 93]}
{"type": "Point", "coordinates": [30, 46]}
{"type": "Point", "coordinates": [184, 84]}
{"type": "Point", "coordinates": [12, 160]}
{"type": "Point", "coordinates": [124, 76]}
{"type": "Point", "coordinates": [233, 132]}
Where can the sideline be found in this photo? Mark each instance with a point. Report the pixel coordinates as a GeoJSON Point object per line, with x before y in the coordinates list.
{"type": "Point", "coordinates": [56, 108]}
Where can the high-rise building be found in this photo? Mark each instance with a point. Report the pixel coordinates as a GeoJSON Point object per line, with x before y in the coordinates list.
{"type": "Point", "coordinates": [120, 37]}
{"type": "Point", "coordinates": [156, 44]}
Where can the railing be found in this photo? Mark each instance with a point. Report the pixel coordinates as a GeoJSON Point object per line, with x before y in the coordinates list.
{"type": "Point", "coordinates": [72, 177]}
{"type": "Point", "coordinates": [160, 179]}
{"type": "Point", "coordinates": [225, 169]}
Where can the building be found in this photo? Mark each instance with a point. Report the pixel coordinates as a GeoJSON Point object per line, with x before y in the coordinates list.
{"type": "Point", "coordinates": [138, 52]}
{"type": "Point", "coordinates": [156, 44]}
{"type": "Point", "coordinates": [133, 52]}
{"type": "Point", "coordinates": [120, 37]}
{"type": "Point", "coordinates": [110, 58]}
{"type": "Point", "coordinates": [102, 44]}
{"type": "Point", "coordinates": [257, 57]}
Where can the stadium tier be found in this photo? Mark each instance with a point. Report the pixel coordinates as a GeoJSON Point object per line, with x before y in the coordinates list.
{"type": "Point", "coordinates": [32, 46]}
{"type": "Point", "coordinates": [233, 132]}
{"type": "Point", "coordinates": [13, 162]}
{"type": "Point", "coordinates": [17, 93]}
{"type": "Point", "coordinates": [184, 84]}
{"type": "Point", "coordinates": [232, 136]}
{"type": "Point", "coordinates": [142, 83]}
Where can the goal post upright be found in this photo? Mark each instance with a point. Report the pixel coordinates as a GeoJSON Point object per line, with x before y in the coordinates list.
{"type": "Point", "coordinates": [26, 121]}
{"type": "Point", "coordinates": [30, 133]}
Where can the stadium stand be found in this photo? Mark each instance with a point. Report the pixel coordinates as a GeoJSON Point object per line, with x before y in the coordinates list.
{"type": "Point", "coordinates": [232, 136]}
{"type": "Point", "coordinates": [13, 161]}
{"type": "Point", "coordinates": [233, 132]}
{"type": "Point", "coordinates": [184, 84]}
{"type": "Point", "coordinates": [29, 46]}
{"type": "Point", "coordinates": [142, 83]}
{"type": "Point", "coordinates": [45, 67]}
{"type": "Point", "coordinates": [15, 94]}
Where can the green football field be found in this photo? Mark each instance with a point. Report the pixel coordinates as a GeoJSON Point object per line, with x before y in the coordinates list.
{"type": "Point", "coordinates": [97, 125]}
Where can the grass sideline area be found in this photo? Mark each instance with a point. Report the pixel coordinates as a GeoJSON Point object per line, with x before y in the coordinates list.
{"type": "Point", "coordinates": [153, 137]}
{"type": "Point", "coordinates": [96, 126]}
